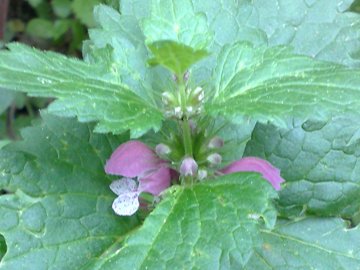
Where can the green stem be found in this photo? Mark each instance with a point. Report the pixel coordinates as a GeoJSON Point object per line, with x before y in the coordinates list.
{"type": "Point", "coordinates": [187, 137]}
{"type": "Point", "coordinates": [182, 89]}
{"type": "Point", "coordinates": [29, 108]}
{"type": "Point", "coordinates": [185, 122]}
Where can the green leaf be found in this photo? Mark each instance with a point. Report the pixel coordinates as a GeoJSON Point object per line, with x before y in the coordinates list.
{"type": "Point", "coordinates": [2, 246]}
{"type": "Point", "coordinates": [3, 143]}
{"type": "Point", "coordinates": [174, 56]}
{"type": "Point", "coordinates": [235, 134]}
{"type": "Point", "coordinates": [210, 226]}
{"type": "Point", "coordinates": [57, 214]}
{"type": "Point", "coordinates": [80, 90]}
{"type": "Point", "coordinates": [61, 8]}
{"type": "Point", "coordinates": [40, 28]}
{"type": "Point", "coordinates": [177, 21]}
{"type": "Point", "coordinates": [355, 7]}
{"type": "Point", "coordinates": [321, 29]}
{"type": "Point", "coordinates": [315, 28]}
{"type": "Point", "coordinates": [60, 28]}
{"type": "Point", "coordinates": [270, 83]}
{"type": "Point", "coordinates": [35, 3]}
{"type": "Point", "coordinates": [83, 10]}
{"type": "Point", "coordinates": [312, 243]}
{"type": "Point", "coordinates": [319, 161]}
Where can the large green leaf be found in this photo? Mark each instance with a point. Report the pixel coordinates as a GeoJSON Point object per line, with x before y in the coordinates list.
{"type": "Point", "coordinates": [319, 161]}
{"type": "Point", "coordinates": [210, 226]}
{"type": "Point", "coordinates": [177, 21]}
{"type": "Point", "coordinates": [312, 243]}
{"type": "Point", "coordinates": [79, 89]}
{"type": "Point", "coordinates": [321, 28]}
{"type": "Point", "coordinates": [271, 83]}
{"type": "Point", "coordinates": [57, 214]}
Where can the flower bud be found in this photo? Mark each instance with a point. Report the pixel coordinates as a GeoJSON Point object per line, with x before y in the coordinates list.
{"type": "Point", "coordinates": [202, 174]}
{"type": "Point", "coordinates": [188, 167]}
{"type": "Point", "coordinates": [197, 95]}
{"type": "Point", "coordinates": [189, 110]}
{"type": "Point", "coordinates": [216, 142]}
{"type": "Point", "coordinates": [192, 125]}
{"type": "Point", "coordinates": [214, 159]}
{"type": "Point", "coordinates": [186, 76]}
{"type": "Point", "coordinates": [168, 98]}
{"type": "Point", "coordinates": [178, 112]}
{"type": "Point", "coordinates": [162, 150]}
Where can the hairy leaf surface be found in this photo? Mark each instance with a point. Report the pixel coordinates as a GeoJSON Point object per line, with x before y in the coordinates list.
{"type": "Point", "coordinates": [272, 83]}
{"type": "Point", "coordinates": [80, 91]}
{"type": "Point", "coordinates": [312, 243]}
{"type": "Point", "coordinates": [57, 213]}
{"type": "Point", "coordinates": [212, 225]}
{"type": "Point", "coordinates": [319, 161]}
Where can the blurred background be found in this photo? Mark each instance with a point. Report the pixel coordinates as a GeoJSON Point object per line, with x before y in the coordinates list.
{"type": "Point", "coordinates": [57, 25]}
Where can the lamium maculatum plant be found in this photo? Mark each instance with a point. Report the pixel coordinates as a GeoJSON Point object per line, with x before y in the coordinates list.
{"type": "Point", "coordinates": [192, 135]}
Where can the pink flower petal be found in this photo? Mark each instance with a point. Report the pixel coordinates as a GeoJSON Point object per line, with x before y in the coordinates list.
{"type": "Point", "coordinates": [124, 185]}
{"type": "Point", "coordinates": [126, 204]}
{"type": "Point", "coordinates": [254, 164]}
{"type": "Point", "coordinates": [156, 181]}
{"type": "Point", "coordinates": [132, 159]}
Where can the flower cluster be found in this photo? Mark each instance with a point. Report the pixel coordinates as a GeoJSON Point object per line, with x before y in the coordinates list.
{"type": "Point", "coordinates": [191, 154]}
{"type": "Point", "coordinates": [143, 171]}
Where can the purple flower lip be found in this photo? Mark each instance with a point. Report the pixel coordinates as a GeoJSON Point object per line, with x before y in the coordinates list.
{"type": "Point", "coordinates": [254, 164]}
{"type": "Point", "coordinates": [134, 159]}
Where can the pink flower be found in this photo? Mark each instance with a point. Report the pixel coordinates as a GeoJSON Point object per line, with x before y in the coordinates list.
{"type": "Point", "coordinates": [254, 164]}
{"type": "Point", "coordinates": [134, 159]}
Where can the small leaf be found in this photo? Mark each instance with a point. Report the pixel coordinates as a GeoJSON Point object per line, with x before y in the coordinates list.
{"type": "Point", "coordinates": [174, 56]}
{"type": "Point", "coordinates": [61, 8]}
{"type": "Point", "coordinates": [312, 243]}
{"type": "Point", "coordinates": [83, 10]}
{"type": "Point", "coordinates": [60, 28]}
{"type": "Point", "coordinates": [35, 3]}
{"type": "Point", "coordinates": [41, 28]}
{"type": "Point", "coordinates": [212, 225]}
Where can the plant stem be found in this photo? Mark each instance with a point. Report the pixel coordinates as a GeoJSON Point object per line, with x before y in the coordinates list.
{"type": "Point", "coordinates": [187, 137]}
{"type": "Point", "coordinates": [185, 122]}
{"type": "Point", "coordinates": [3, 14]}
{"type": "Point", "coordinates": [29, 108]}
